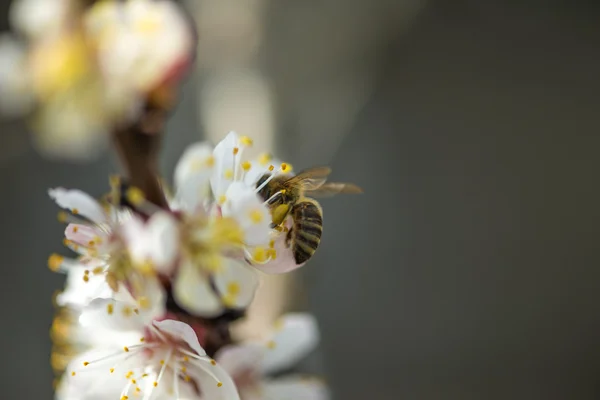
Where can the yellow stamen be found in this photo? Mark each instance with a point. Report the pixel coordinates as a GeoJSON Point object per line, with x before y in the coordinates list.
{"type": "Point", "coordinates": [271, 344]}
{"type": "Point", "coordinates": [264, 159]}
{"type": "Point", "coordinates": [271, 167]}
{"type": "Point", "coordinates": [228, 174]}
{"type": "Point", "coordinates": [260, 254]}
{"type": "Point", "coordinates": [62, 217]}
{"type": "Point", "coordinates": [286, 167]}
{"type": "Point", "coordinates": [236, 150]}
{"type": "Point", "coordinates": [246, 141]}
{"type": "Point", "coordinates": [246, 165]}
{"type": "Point", "coordinates": [233, 288]}
{"type": "Point", "coordinates": [55, 261]}
{"type": "Point", "coordinates": [135, 196]}
{"type": "Point", "coordinates": [222, 199]}
{"type": "Point", "coordinates": [210, 161]}
{"type": "Point", "coordinates": [256, 216]}
{"type": "Point", "coordinates": [110, 309]}
{"type": "Point", "coordinates": [213, 362]}
{"type": "Point", "coordinates": [75, 211]}
{"type": "Point", "coordinates": [219, 384]}
{"type": "Point", "coordinates": [126, 349]}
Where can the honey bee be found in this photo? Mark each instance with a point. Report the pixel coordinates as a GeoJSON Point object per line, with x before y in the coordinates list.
{"type": "Point", "coordinates": [287, 195]}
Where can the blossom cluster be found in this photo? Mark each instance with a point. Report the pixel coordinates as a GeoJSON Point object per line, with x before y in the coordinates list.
{"type": "Point", "coordinates": [80, 72]}
{"type": "Point", "coordinates": [150, 291]}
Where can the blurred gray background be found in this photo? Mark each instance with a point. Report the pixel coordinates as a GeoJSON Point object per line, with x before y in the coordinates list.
{"type": "Point", "coordinates": [469, 269]}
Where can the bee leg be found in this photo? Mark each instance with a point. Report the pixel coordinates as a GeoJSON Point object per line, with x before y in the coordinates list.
{"type": "Point", "coordinates": [288, 238]}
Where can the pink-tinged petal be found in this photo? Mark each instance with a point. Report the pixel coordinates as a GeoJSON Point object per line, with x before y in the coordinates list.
{"type": "Point", "coordinates": [192, 292]}
{"type": "Point", "coordinates": [294, 388]}
{"type": "Point", "coordinates": [180, 331]}
{"type": "Point", "coordinates": [78, 202]}
{"type": "Point", "coordinates": [295, 336]}
{"type": "Point", "coordinates": [82, 234]}
{"type": "Point", "coordinates": [241, 359]}
{"type": "Point", "coordinates": [284, 260]}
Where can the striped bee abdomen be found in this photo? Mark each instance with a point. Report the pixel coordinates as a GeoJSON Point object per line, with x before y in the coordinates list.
{"type": "Point", "coordinates": [307, 230]}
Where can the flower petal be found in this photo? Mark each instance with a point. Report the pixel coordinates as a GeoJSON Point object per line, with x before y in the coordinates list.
{"type": "Point", "coordinates": [249, 210]}
{"type": "Point", "coordinates": [192, 176]}
{"type": "Point", "coordinates": [284, 260]}
{"type": "Point", "coordinates": [211, 390]}
{"type": "Point", "coordinates": [180, 331]}
{"type": "Point", "coordinates": [155, 241]}
{"type": "Point", "coordinates": [237, 359]}
{"type": "Point", "coordinates": [78, 202]}
{"type": "Point", "coordinates": [122, 312]}
{"type": "Point", "coordinates": [222, 175]}
{"type": "Point", "coordinates": [164, 240]}
{"type": "Point", "coordinates": [35, 18]}
{"type": "Point", "coordinates": [15, 92]}
{"type": "Point", "coordinates": [79, 293]}
{"type": "Point", "coordinates": [237, 283]}
{"type": "Point", "coordinates": [192, 291]}
{"type": "Point", "coordinates": [295, 388]}
{"type": "Point", "coordinates": [296, 336]}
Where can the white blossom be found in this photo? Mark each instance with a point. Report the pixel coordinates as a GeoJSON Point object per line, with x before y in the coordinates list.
{"type": "Point", "coordinates": [164, 361]}
{"type": "Point", "coordinates": [250, 363]}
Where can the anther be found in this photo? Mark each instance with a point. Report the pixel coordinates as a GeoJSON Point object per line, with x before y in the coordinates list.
{"type": "Point", "coordinates": [246, 165]}
{"type": "Point", "coordinates": [246, 141]}
{"type": "Point", "coordinates": [271, 344]}
{"type": "Point", "coordinates": [112, 370]}
{"type": "Point", "coordinates": [236, 150]}
{"type": "Point", "coordinates": [73, 373]}
{"type": "Point", "coordinates": [126, 349]}
{"type": "Point", "coordinates": [285, 167]}
{"type": "Point", "coordinates": [264, 159]}
{"type": "Point", "coordinates": [55, 261]}
{"type": "Point", "coordinates": [86, 278]}
{"type": "Point", "coordinates": [135, 196]}
{"type": "Point", "coordinates": [213, 362]}
{"type": "Point", "coordinates": [219, 384]}
{"type": "Point", "coordinates": [75, 229]}
{"type": "Point", "coordinates": [271, 167]}
{"type": "Point", "coordinates": [210, 161]}
{"type": "Point", "coordinates": [110, 309]}
{"type": "Point", "coordinates": [222, 199]}
{"type": "Point", "coordinates": [228, 174]}
{"type": "Point", "coordinates": [256, 216]}
{"type": "Point", "coordinates": [62, 217]}
{"type": "Point", "coordinates": [85, 363]}
{"type": "Point", "coordinates": [75, 211]}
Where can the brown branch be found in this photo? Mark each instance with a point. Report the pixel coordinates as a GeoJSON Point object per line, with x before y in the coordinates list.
{"type": "Point", "coordinates": [138, 148]}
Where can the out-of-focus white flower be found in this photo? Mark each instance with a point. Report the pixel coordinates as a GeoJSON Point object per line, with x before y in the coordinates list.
{"type": "Point", "coordinates": [84, 72]}
{"type": "Point", "coordinates": [250, 363]}
{"type": "Point", "coordinates": [165, 362]}
{"type": "Point", "coordinates": [15, 95]}
{"type": "Point", "coordinates": [109, 263]}
{"type": "Point", "coordinates": [142, 44]}
{"type": "Point", "coordinates": [37, 18]}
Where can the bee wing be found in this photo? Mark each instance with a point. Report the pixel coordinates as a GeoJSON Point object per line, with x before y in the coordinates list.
{"type": "Point", "coordinates": [333, 188]}
{"type": "Point", "coordinates": [310, 179]}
